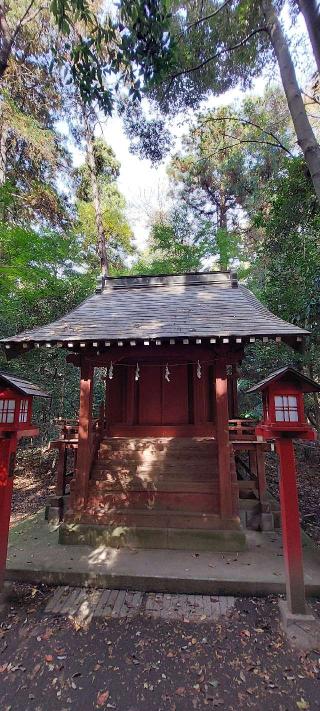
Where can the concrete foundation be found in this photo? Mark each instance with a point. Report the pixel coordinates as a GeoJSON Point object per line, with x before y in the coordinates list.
{"type": "Point", "coordinates": [152, 538]}
{"type": "Point", "coordinates": [36, 556]}
{"type": "Point", "coordinates": [302, 631]}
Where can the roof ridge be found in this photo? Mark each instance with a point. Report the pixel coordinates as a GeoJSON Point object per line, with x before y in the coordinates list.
{"type": "Point", "coordinates": [227, 278]}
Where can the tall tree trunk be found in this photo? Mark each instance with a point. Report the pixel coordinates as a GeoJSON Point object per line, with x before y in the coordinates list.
{"type": "Point", "coordinates": [96, 198]}
{"type": "Point", "coordinates": [311, 13]}
{"type": "Point", "coordinates": [3, 153]}
{"type": "Point", "coordinates": [306, 138]}
{"type": "Point", "coordinates": [4, 133]}
{"type": "Point", "coordinates": [223, 212]}
{"type": "Point", "coordinates": [5, 39]}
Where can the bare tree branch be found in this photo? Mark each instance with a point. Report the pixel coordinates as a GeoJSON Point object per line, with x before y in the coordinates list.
{"type": "Point", "coordinates": [312, 98]}
{"type": "Point", "coordinates": [205, 18]}
{"type": "Point", "coordinates": [246, 122]}
{"type": "Point", "coordinates": [232, 48]}
{"type": "Point", "coordinates": [239, 143]}
{"type": "Point", "coordinates": [22, 21]}
{"type": "Point", "coordinates": [7, 36]}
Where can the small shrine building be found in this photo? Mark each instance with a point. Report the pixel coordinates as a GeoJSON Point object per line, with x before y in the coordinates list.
{"type": "Point", "coordinates": [158, 468]}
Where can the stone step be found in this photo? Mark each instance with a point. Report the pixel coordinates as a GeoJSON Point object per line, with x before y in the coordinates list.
{"type": "Point", "coordinates": [132, 537]}
{"type": "Point", "coordinates": [153, 501]}
{"type": "Point", "coordinates": [249, 505]}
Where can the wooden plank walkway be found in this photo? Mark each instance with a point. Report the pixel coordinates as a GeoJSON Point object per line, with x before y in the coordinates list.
{"type": "Point", "coordinates": [84, 604]}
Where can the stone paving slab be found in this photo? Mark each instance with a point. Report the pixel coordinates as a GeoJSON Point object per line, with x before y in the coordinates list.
{"type": "Point", "coordinates": [36, 556]}
{"type": "Point", "coordinates": [83, 604]}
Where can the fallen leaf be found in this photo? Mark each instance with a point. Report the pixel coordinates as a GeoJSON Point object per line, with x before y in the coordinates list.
{"type": "Point", "coordinates": [102, 697]}
{"type": "Point", "coordinates": [180, 691]}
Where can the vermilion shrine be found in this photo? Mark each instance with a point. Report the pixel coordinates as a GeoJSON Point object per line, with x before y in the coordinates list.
{"type": "Point", "coordinates": [158, 468]}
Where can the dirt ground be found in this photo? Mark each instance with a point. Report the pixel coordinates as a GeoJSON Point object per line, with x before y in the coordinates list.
{"type": "Point", "coordinates": [49, 662]}
{"type": "Point", "coordinates": [308, 478]}
{"type": "Point", "coordinates": [242, 662]}
{"type": "Point", "coordinates": [33, 482]}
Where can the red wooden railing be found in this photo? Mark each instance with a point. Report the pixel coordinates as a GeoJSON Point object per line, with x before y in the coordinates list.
{"type": "Point", "coordinates": [68, 444]}
{"type": "Point", "coordinates": [242, 429]}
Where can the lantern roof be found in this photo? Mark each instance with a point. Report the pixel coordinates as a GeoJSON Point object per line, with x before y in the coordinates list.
{"type": "Point", "coordinates": [211, 304]}
{"type": "Point", "coordinates": [306, 384]}
{"type": "Point", "coordinates": [23, 386]}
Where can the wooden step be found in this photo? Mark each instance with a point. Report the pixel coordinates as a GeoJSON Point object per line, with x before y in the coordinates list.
{"type": "Point", "coordinates": [141, 518]}
{"type": "Point", "coordinates": [157, 470]}
{"type": "Point", "coordinates": [158, 443]}
{"type": "Point", "coordinates": [153, 501]}
{"type": "Point", "coordinates": [112, 483]}
{"type": "Point", "coordinates": [145, 456]}
{"type": "Point", "coordinates": [139, 450]}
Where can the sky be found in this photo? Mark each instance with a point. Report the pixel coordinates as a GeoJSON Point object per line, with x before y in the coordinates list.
{"type": "Point", "coordinates": [145, 187]}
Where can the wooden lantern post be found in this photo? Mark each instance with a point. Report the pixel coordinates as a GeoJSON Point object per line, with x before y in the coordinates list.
{"type": "Point", "coordinates": [8, 447]}
{"type": "Point", "coordinates": [222, 434]}
{"type": "Point", "coordinates": [291, 535]}
{"type": "Point", "coordinates": [16, 397]}
{"type": "Point", "coordinates": [284, 421]}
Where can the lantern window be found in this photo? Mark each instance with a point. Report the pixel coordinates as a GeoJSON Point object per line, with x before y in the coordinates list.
{"type": "Point", "coordinates": [23, 413]}
{"type": "Point", "coordinates": [286, 408]}
{"type": "Point", "coordinates": [7, 408]}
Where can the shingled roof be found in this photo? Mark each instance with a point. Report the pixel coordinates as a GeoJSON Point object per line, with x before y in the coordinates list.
{"type": "Point", "coordinates": [23, 386]}
{"type": "Point", "coordinates": [190, 305]}
{"type": "Point", "coordinates": [309, 385]}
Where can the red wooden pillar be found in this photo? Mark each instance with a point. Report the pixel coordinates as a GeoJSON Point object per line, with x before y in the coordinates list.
{"type": "Point", "coordinates": [8, 448]}
{"type": "Point", "coordinates": [291, 534]}
{"type": "Point", "coordinates": [61, 470]}
{"type": "Point", "coordinates": [222, 434]}
{"type": "Point", "coordinates": [233, 392]}
{"type": "Point", "coordinates": [261, 472]}
{"type": "Point", "coordinates": [80, 488]}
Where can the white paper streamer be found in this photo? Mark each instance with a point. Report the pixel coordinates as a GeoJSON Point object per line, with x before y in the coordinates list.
{"type": "Point", "coordinates": [198, 370]}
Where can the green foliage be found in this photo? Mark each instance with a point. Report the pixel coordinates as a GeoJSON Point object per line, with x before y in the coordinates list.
{"type": "Point", "coordinates": [212, 47]}
{"type": "Point", "coordinates": [41, 276]}
{"type": "Point", "coordinates": [290, 253]}
{"type": "Point", "coordinates": [228, 247]}
{"type": "Point", "coordinates": [107, 166]}
{"type": "Point", "coordinates": [98, 44]}
{"type": "Point", "coordinates": [117, 231]}
{"type": "Point", "coordinates": [149, 137]}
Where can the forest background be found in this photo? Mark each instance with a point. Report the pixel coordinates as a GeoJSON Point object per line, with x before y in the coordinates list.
{"type": "Point", "coordinates": [243, 186]}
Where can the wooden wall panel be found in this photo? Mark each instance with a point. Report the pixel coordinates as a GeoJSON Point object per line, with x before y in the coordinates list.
{"type": "Point", "coordinates": [115, 396]}
{"type": "Point", "coordinates": [150, 395]}
{"type": "Point", "coordinates": [175, 403]}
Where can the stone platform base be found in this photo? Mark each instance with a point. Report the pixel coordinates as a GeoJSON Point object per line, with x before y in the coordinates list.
{"type": "Point", "coordinates": [302, 631]}
{"type": "Point", "coordinates": [148, 538]}
{"type": "Point", "coordinates": [36, 556]}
